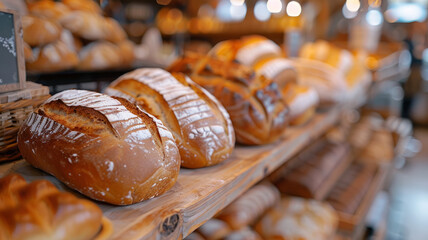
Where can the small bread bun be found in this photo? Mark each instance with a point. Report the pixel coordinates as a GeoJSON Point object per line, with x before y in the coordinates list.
{"type": "Point", "coordinates": [126, 49]}
{"type": "Point", "coordinates": [53, 57]}
{"type": "Point", "coordinates": [71, 41]}
{"type": "Point", "coordinates": [106, 148]}
{"type": "Point", "coordinates": [86, 25]}
{"type": "Point", "coordinates": [115, 32]}
{"type": "Point", "coordinates": [38, 31]}
{"type": "Point", "coordinates": [99, 56]}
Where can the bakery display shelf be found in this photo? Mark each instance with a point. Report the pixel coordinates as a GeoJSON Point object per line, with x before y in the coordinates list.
{"type": "Point", "coordinates": [199, 193]}
{"type": "Point", "coordinates": [353, 225]}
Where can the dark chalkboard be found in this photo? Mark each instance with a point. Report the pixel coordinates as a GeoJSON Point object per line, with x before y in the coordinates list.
{"type": "Point", "coordinates": [12, 62]}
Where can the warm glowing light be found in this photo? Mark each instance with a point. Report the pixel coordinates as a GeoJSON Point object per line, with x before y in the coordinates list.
{"type": "Point", "coordinates": [375, 3]}
{"type": "Point", "coordinates": [260, 11]}
{"type": "Point", "coordinates": [237, 2]}
{"type": "Point", "coordinates": [374, 17]}
{"type": "Point", "coordinates": [348, 14]}
{"type": "Point", "coordinates": [390, 17]}
{"type": "Point", "coordinates": [205, 11]}
{"type": "Point", "coordinates": [352, 5]}
{"type": "Point", "coordinates": [274, 6]}
{"type": "Point", "coordinates": [163, 2]}
{"type": "Point", "coordinates": [293, 9]}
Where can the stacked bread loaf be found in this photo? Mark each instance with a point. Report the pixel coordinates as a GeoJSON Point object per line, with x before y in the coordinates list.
{"type": "Point", "coordinates": [104, 147]}
{"type": "Point", "coordinates": [256, 107]}
{"type": "Point", "coordinates": [201, 126]}
{"type": "Point", "coordinates": [267, 59]}
{"type": "Point", "coordinates": [37, 210]}
{"type": "Point", "coordinates": [73, 34]}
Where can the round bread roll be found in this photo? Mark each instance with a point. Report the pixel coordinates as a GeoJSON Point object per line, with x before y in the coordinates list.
{"type": "Point", "coordinates": [256, 107]}
{"type": "Point", "coordinates": [52, 58]}
{"type": "Point", "coordinates": [37, 210]}
{"type": "Point", "coordinates": [48, 9]}
{"type": "Point", "coordinates": [99, 56]}
{"type": "Point", "coordinates": [38, 31]}
{"type": "Point", "coordinates": [104, 147]}
{"type": "Point", "coordinates": [201, 126]}
{"type": "Point", "coordinates": [83, 5]}
{"type": "Point", "coordinates": [71, 41]}
{"type": "Point", "coordinates": [86, 25]}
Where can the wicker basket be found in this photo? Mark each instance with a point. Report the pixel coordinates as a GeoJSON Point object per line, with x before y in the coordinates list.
{"type": "Point", "coordinates": [14, 109]}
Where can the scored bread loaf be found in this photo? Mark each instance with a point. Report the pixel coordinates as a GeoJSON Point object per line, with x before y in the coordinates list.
{"type": "Point", "coordinates": [201, 126]}
{"type": "Point", "coordinates": [37, 210]}
{"type": "Point", "coordinates": [258, 112]}
{"type": "Point", "coordinates": [53, 57]}
{"type": "Point", "coordinates": [38, 31]}
{"type": "Point", "coordinates": [104, 147]}
{"type": "Point", "coordinates": [302, 100]}
{"type": "Point", "coordinates": [250, 206]}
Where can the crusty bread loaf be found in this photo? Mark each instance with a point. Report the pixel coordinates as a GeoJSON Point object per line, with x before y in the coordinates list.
{"type": "Point", "coordinates": [201, 126]}
{"type": "Point", "coordinates": [250, 206]}
{"type": "Point", "coordinates": [127, 49]}
{"type": "Point", "coordinates": [280, 70]}
{"type": "Point", "coordinates": [99, 55]}
{"type": "Point", "coordinates": [104, 147]}
{"type": "Point", "coordinates": [86, 25]}
{"type": "Point", "coordinates": [83, 5]}
{"type": "Point", "coordinates": [48, 9]}
{"type": "Point", "coordinates": [93, 27]}
{"type": "Point", "coordinates": [72, 42]}
{"type": "Point", "coordinates": [37, 210]}
{"type": "Point", "coordinates": [248, 50]}
{"type": "Point", "coordinates": [329, 83]}
{"type": "Point", "coordinates": [53, 57]}
{"type": "Point", "coordinates": [297, 218]}
{"type": "Point", "coordinates": [256, 107]}
{"type": "Point", "coordinates": [38, 31]}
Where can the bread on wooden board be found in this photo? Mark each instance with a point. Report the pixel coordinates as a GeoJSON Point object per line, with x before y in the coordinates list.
{"type": "Point", "coordinates": [38, 31]}
{"type": "Point", "coordinates": [37, 210]}
{"type": "Point", "coordinates": [258, 111]}
{"type": "Point", "coordinates": [104, 147]}
{"type": "Point", "coordinates": [199, 123]}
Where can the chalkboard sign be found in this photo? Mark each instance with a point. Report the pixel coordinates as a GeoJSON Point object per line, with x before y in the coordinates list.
{"type": "Point", "coordinates": [12, 62]}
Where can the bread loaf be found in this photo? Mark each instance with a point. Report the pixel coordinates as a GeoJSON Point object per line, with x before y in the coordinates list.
{"type": "Point", "coordinates": [49, 9]}
{"type": "Point", "coordinates": [280, 70]}
{"type": "Point", "coordinates": [83, 5]}
{"type": "Point", "coordinates": [99, 55]}
{"type": "Point", "coordinates": [250, 206]}
{"type": "Point", "coordinates": [201, 127]}
{"type": "Point", "coordinates": [37, 210]}
{"type": "Point", "coordinates": [127, 49]}
{"type": "Point", "coordinates": [114, 32]}
{"type": "Point", "coordinates": [296, 218]}
{"type": "Point", "coordinates": [86, 25]}
{"type": "Point", "coordinates": [38, 31]}
{"type": "Point", "coordinates": [28, 53]}
{"type": "Point", "coordinates": [53, 57]}
{"type": "Point", "coordinates": [72, 42]}
{"type": "Point", "coordinates": [243, 234]}
{"type": "Point", "coordinates": [104, 147]}
{"type": "Point", "coordinates": [255, 105]}
{"type": "Point", "coordinates": [302, 101]}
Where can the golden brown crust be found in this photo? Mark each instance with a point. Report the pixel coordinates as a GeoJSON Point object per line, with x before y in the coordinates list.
{"type": "Point", "coordinates": [83, 5]}
{"type": "Point", "coordinates": [53, 57]}
{"type": "Point", "coordinates": [201, 127]}
{"type": "Point", "coordinates": [38, 31]}
{"type": "Point", "coordinates": [104, 148]}
{"type": "Point", "coordinates": [37, 210]}
{"type": "Point", "coordinates": [100, 55]}
{"type": "Point", "coordinates": [255, 105]}
{"type": "Point", "coordinates": [48, 9]}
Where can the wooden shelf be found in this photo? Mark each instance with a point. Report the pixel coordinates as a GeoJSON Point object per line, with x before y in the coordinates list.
{"type": "Point", "coordinates": [199, 194]}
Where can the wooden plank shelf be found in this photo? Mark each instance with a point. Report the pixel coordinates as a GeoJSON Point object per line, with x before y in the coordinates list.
{"type": "Point", "coordinates": [199, 193]}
